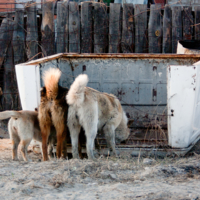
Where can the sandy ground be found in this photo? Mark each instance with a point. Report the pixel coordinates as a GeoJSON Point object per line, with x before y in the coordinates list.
{"type": "Point", "coordinates": [106, 178]}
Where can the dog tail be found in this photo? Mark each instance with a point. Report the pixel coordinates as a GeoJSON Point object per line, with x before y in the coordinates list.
{"type": "Point", "coordinates": [8, 114]}
{"type": "Point", "coordinates": [75, 95]}
{"type": "Point", "coordinates": [51, 78]}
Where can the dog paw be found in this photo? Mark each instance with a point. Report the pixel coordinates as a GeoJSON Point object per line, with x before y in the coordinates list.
{"type": "Point", "coordinates": [15, 159]}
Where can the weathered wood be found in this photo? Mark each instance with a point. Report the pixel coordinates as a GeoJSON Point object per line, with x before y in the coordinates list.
{"type": "Point", "coordinates": [100, 28]}
{"type": "Point", "coordinates": [127, 43]}
{"type": "Point", "coordinates": [167, 30]}
{"type": "Point", "coordinates": [19, 38]}
{"type": "Point", "coordinates": [47, 29]}
{"type": "Point", "coordinates": [188, 23]}
{"type": "Point", "coordinates": [10, 90]}
{"type": "Point", "coordinates": [6, 30]}
{"type": "Point", "coordinates": [62, 44]}
{"type": "Point", "coordinates": [115, 27]}
{"type": "Point", "coordinates": [74, 28]}
{"type": "Point", "coordinates": [86, 27]}
{"type": "Point", "coordinates": [140, 12]}
{"type": "Point", "coordinates": [32, 31]}
{"type": "Point", "coordinates": [177, 27]}
{"type": "Point", "coordinates": [197, 22]}
{"type": "Point", "coordinates": [155, 29]}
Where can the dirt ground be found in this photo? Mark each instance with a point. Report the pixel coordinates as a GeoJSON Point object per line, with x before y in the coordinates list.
{"type": "Point", "coordinates": [107, 178]}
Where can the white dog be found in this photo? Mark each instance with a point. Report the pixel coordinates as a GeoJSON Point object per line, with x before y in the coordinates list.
{"type": "Point", "coordinates": [94, 111]}
{"type": "Point", "coordinates": [23, 126]}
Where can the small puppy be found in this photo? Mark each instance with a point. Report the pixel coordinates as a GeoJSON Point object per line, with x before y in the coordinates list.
{"type": "Point", "coordinates": [23, 126]}
{"type": "Point", "coordinates": [94, 111]}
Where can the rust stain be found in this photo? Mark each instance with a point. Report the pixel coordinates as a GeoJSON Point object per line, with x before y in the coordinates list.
{"type": "Point", "coordinates": [154, 68]}
{"type": "Point", "coordinates": [120, 55]}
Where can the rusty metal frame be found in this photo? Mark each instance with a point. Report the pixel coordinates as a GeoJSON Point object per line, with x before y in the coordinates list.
{"type": "Point", "coordinates": [120, 55]}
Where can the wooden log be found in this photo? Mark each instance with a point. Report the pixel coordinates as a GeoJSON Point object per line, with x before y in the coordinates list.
{"type": "Point", "coordinates": [167, 30]}
{"type": "Point", "coordinates": [6, 30]}
{"type": "Point", "coordinates": [62, 44]}
{"type": "Point", "coordinates": [47, 29]}
{"type": "Point", "coordinates": [74, 28]}
{"type": "Point", "coordinates": [100, 28]}
{"type": "Point", "coordinates": [127, 43]}
{"type": "Point", "coordinates": [155, 29]}
{"type": "Point", "coordinates": [197, 22]}
{"type": "Point", "coordinates": [188, 23]}
{"type": "Point", "coordinates": [177, 28]}
{"type": "Point", "coordinates": [140, 12]}
{"type": "Point", "coordinates": [86, 27]}
{"type": "Point", "coordinates": [32, 31]}
{"type": "Point", "coordinates": [115, 27]}
{"type": "Point", "coordinates": [10, 90]}
{"type": "Point", "coordinates": [19, 38]}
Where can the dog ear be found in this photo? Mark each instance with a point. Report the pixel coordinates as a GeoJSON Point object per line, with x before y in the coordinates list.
{"type": "Point", "coordinates": [130, 122]}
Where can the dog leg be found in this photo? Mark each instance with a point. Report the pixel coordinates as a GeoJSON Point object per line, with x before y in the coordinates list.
{"type": "Point", "coordinates": [64, 149]}
{"type": "Point", "coordinates": [74, 133]}
{"type": "Point", "coordinates": [91, 133]}
{"type": "Point", "coordinates": [45, 136]}
{"type": "Point", "coordinates": [110, 137]}
{"type": "Point", "coordinates": [15, 143]}
{"type": "Point", "coordinates": [61, 135]}
{"type": "Point", "coordinates": [24, 147]}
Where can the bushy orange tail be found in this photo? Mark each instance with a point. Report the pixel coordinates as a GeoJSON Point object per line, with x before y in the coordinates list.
{"type": "Point", "coordinates": [51, 78]}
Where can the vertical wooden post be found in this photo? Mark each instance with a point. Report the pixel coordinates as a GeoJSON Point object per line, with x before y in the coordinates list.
{"type": "Point", "coordinates": [155, 29]}
{"type": "Point", "coordinates": [188, 23]}
{"type": "Point", "coordinates": [47, 29]}
{"type": "Point", "coordinates": [177, 28]}
{"type": "Point", "coordinates": [74, 28]}
{"type": "Point", "coordinates": [197, 22]}
{"type": "Point", "coordinates": [115, 27]}
{"type": "Point", "coordinates": [62, 43]}
{"type": "Point", "coordinates": [100, 28]}
{"type": "Point", "coordinates": [6, 30]}
{"type": "Point", "coordinates": [32, 31]}
{"type": "Point", "coordinates": [140, 13]}
{"type": "Point", "coordinates": [19, 38]}
{"type": "Point", "coordinates": [10, 91]}
{"type": "Point", "coordinates": [167, 30]}
{"type": "Point", "coordinates": [86, 27]}
{"type": "Point", "coordinates": [127, 28]}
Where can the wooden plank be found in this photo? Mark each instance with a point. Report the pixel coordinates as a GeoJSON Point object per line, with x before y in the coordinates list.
{"type": "Point", "coordinates": [155, 29]}
{"type": "Point", "coordinates": [6, 30]}
{"type": "Point", "coordinates": [10, 90]}
{"type": "Point", "coordinates": [86, 27]}
{"type": "Point", "coordinates": [115, 27]}
{"type": "Point", "coordinates": [188, 23]}
{"type": "Point", "coordinates": [100, 28]}
{"type": "Point", "coordinates": [197, 22]}
{"type": "Point", "coordinates": [127, 28]}
{"type": "Point", "coordinates": [74, 28]}
{"type": "Point", "coordinates": [140, 12]}
{"type": "Point", "coordinates": [177, 28]}
{"type": "Point", "coordinates": [47, 29]}
{"type": "Point", "coordinates": [32, 31]}
{"type": "Point", "coordinates": [19, 38]}
{"type": "Point", "coordinates": [167, 30]}
{"type": "Point", "coordinates": [62, 44]}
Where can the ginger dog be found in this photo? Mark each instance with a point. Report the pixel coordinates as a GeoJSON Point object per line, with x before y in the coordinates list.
{"type": "Point", "coordinates": [53, 110]}
{"type": "Point", "coordinates": [94, 111]}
